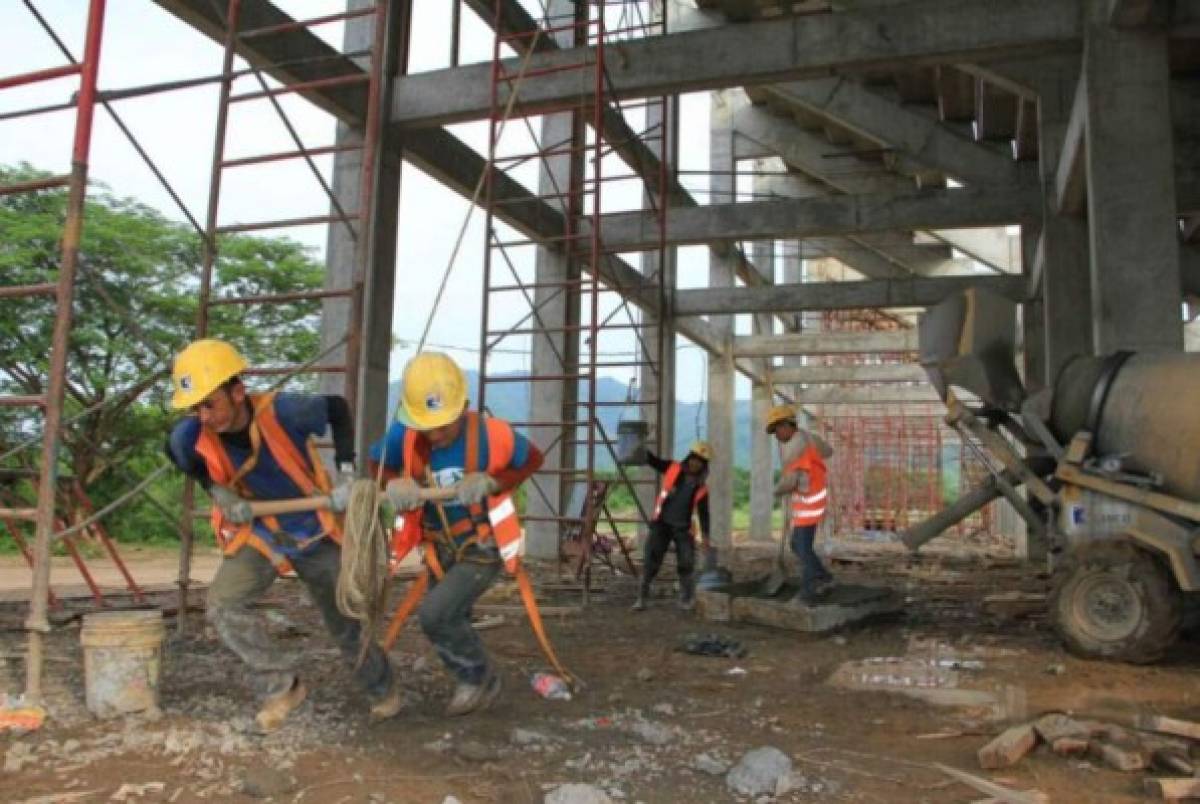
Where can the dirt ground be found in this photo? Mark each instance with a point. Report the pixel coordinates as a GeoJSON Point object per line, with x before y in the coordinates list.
{"type": "Point", "coordinates": [653, 724]}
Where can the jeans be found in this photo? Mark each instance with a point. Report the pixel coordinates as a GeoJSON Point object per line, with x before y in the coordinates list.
{"type": "Point", "coordinates": [811, 569]}
{"type": "Point", "coordinates": [245, 576]}
{"type": "Point", "coordinates": [658, 541]}
{"type": "Point", "coordinates": [445, 613]}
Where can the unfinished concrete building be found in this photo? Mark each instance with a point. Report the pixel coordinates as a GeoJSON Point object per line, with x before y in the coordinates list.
{"type": "Point", "coordinates": [866, 160]}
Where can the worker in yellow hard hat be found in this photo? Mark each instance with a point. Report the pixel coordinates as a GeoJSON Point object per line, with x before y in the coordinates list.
{"type": "Point", "coordinates": [242, 447]}
{"type": "Point", "coordinates": [437, 441]}
{"type": "Point", "coordinates": [683, 496]}
{"type": "Point", "coordinates": [803, 483]}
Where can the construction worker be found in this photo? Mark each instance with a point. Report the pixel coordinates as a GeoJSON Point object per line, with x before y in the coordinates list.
{"type": "Point", "coordinates": [802, 481]}
{"type": "Point", "coordinates": [436, 441]}
{"type": "Point", "coordinates": [683, 495]}
{"type": "Point", "coordinates": [242, 446]}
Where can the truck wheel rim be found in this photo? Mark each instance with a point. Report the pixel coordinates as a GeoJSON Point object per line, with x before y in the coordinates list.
{"type": "Point", "coordinates": [1107, 608]}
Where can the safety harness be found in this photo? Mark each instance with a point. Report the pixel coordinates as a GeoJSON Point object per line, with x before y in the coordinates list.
{"type": "Point", "coordinates": [499, 522]}
{"type": "Point", "coordinates": [307, 473]}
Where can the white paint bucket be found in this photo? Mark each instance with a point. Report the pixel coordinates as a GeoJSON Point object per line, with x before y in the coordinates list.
{"type": "Point", "coordinates": [122, 655]}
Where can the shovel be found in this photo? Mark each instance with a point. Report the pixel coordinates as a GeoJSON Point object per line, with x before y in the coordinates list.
{"type": "Point", "coordinates": [779, 573]}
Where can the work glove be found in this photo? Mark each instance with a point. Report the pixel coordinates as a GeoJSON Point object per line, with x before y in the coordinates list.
{"type": "Point", "coordinates": [474, 488]}
{"type": "Point", "coordinates": [339, 498]}
{"type": "Point", "coordinates": [404, 494]}
{"type": "Point", "coordinates": [234, 509]}
{"type": "Point", "coordinates": [791, 481]}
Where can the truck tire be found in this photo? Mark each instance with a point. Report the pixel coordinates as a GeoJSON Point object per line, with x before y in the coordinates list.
{"type": "Point", "coordinates": [1115, 600]}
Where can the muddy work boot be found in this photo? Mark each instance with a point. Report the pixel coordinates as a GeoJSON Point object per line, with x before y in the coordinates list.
{"type": "Point", "coordinates": [389, 705]}
{"type": "Point", "coordinates": [687, 593]}
{"type": "Point", "coordinates": [470, 698]}
{"type": "Point", "coordinates": [275, 710]}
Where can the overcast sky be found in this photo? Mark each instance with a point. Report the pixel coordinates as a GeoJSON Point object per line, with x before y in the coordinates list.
{"type": "Point", "coordinates": [144, 44]}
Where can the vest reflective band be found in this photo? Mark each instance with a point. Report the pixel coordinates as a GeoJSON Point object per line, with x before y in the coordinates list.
{"type": "Point", "coordinates": [670, 478]}
{"type": "Point", "coordinates": [809, 507]}
{"type": "Point", "coordinates": [308, 473]}
{"type": "Point", "coordinates": [500, 521]}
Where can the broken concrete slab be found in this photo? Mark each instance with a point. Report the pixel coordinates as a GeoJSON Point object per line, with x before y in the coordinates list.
{"type": "Point", "coordinates": [842, 606]}
{"type": "Point", "coordinates": [1008, 747]}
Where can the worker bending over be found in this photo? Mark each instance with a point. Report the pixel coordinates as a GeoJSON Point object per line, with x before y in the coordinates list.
{"type": "Point", "coordinates": [683, 495]}
{"type": "Point", "coordinates": [802, 481]}
{"type": "Point", "coordinates": [242, 446]}
{"type": "Point", "coordinates": [436, 441]}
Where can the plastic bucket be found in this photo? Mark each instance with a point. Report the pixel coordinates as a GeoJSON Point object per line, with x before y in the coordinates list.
{"type": "Point", "coordinates": [631, 441]}
{"type": "Point", "coordinates": [122, 655]}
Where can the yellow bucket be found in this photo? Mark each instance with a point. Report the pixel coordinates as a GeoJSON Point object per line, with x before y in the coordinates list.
{"type": "Point", "coordinates": [122, 656]}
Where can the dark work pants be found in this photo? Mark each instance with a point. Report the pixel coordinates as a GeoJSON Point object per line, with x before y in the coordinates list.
{"type": "Point", "coordinates": [245, 576]}
{"type": "Point", "coordinates": [658, 541]}
{"type": "Point", "coordinates": [811, 568]}
{"type": "Point", "coordinates": [445, 613]}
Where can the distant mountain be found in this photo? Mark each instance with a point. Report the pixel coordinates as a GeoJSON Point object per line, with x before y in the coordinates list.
{"type": "Point", "coordinates": [510, 400]}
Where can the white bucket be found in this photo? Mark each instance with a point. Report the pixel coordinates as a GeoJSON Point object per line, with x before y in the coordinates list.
{"type": "Point", "coordinates": [122, 655]}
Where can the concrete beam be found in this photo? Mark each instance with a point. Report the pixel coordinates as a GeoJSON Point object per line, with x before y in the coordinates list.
{"type": "Point", "coordinates": [1070, 180]}
{"type": "Point", "coordinates": [1138, 13]}
{"type": "Point", "coordinates": [915, 292]}
{"type": "Point", "coordinates": [817, 375]}
{"type": "Point", "coordinates": [756, 52]}
{"type": "Point", "coordinates": [867, 396]}
{"type": "Point", "coordinates": [921, 137]}
{"type": "Point", "coordinates": [823, 217]}
{"type": "Point", "coordinates": [825, 343]}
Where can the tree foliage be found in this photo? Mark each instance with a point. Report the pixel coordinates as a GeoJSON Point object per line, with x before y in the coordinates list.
{"type": "Point", "coordinates": [136, 304]}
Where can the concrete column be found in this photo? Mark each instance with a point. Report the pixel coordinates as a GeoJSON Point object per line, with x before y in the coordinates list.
{"type": "Point", "coordinates": [370, 262]}
{"type": "Point", "coordinates": [720, 368]}
{"type": "Point", "coordinates": [762, 254]}
{"type": "Point", "coordinates": [1033, 323]}
{"type": "Point", "coordinates": [555, 352]}
{"type": "Point", "coordinates": [1134, 233]}
{"type": "Point", "coordinates": [1065, 282]}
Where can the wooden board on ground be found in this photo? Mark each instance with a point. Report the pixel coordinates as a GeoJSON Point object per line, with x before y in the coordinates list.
{"type": "Point", "coordinates": [1008, 748]}
{"type": "Point", "coordinates": [1170, 725]}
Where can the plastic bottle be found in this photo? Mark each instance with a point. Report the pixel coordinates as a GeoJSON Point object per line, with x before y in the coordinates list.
{"type": "Point", "coordinates": [551, 687]}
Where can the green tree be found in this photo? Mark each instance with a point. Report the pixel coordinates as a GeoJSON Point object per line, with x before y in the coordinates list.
{"type": "Point", "coordinates": [135, 306]}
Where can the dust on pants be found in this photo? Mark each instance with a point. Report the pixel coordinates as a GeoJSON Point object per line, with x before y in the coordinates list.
{"type": "Point", "coordinates": [245, 577]}
{"type": "Point", "coordinates": [445, 613]}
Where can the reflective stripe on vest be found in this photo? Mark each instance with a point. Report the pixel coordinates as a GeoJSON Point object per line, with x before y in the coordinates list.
{"type": "Point", "coordinates": [809, 507]}
{"type": "Point", "coordinates": [307, 474]}
{"type": "Point", "coordinates": [670, 478]}
{"type": "Point", "coordinates": [502, 522]}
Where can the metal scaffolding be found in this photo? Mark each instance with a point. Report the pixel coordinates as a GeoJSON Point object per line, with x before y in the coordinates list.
{"type": "Point", "coordinates": [601, 330]}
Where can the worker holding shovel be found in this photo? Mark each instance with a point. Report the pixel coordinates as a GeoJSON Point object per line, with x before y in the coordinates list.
{"type": "Point", "coordinates": [437, 442]}
{"type": "Point", "coordinates": [246, 449]}
{"type": "Point", "coordinates": [802, 482]}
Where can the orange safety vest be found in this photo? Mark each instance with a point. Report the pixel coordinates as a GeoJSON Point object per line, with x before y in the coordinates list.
{"type": "Point", "coordinates": [809, 507]}
{"type": "Point", "coordinates": [501, 520]}
{"type": "Point", "coordinates": [308, 473]}
{"type": "Point", "coordinates": [670, 478]}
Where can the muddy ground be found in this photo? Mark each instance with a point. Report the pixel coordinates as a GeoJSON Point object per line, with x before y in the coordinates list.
{"type": "Point", "coordinates": [653, 724]}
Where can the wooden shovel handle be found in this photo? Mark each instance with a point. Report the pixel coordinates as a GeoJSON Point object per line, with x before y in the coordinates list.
{"type": "Point", "coordinates": [302, 504]}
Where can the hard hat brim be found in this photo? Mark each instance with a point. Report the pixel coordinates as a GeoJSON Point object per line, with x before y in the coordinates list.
{"type": "Point", "coordinates": [428, 421]}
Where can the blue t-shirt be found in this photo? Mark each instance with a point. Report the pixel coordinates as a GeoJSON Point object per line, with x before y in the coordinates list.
{"type": "Point", "coordinates": [445, 464]}
{"type": "Point", "coordinates": [301, 416]}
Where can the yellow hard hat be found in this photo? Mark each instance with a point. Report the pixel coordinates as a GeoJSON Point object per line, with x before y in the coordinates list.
{"type": "Point", "coordinates": [701, 449]}
{"type": "Point", "coordinates": [201, 368]}
{"type": "Point", "coordinates": [778, 415]}
{"type": "Point", "coordinates": [433, 391]}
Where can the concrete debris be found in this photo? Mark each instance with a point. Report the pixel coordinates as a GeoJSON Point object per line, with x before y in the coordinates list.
{"type": "Point", "coordinates": [759, 771]}
{"type": "Point", "coordinates": [645, 674]}
{"type": "Point", "coordinates": [129, 791]}
{"type": "Point", "coordinates": [706, 763]}
{"type": "Point", "coordinates": [475, 751]}
{"type": "Point", "coordinates": [653, 733]}
{"type": "Point", "coordinates": [663, 709]}
{"type": "Point", "coordinates": [577, 794]}
{"type": "Point", "coordinates": [520, 736]}
{"type": "Point", "coordinates": [1118, 758]}
{"type": "Point", "coordinates": [451, 800]}
{"type": "Point", "coordinates": [1008, 748]}
{"type": "Point", "coordinates": [1054, 726]}
{"type": "Point", "coordinates": [1070, 746]}
{"type": "Point", "coordinates": [261, 782]}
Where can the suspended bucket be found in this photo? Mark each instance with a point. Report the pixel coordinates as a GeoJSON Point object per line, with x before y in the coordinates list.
{"type": "Point", "coordinates": [122, 656]}
{"type": "Point", "coordinates": [631, 441]}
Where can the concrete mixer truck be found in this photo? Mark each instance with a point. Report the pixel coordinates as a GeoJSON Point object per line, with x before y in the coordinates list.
{"type": "Point", "coordinates": [1103, 466]}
